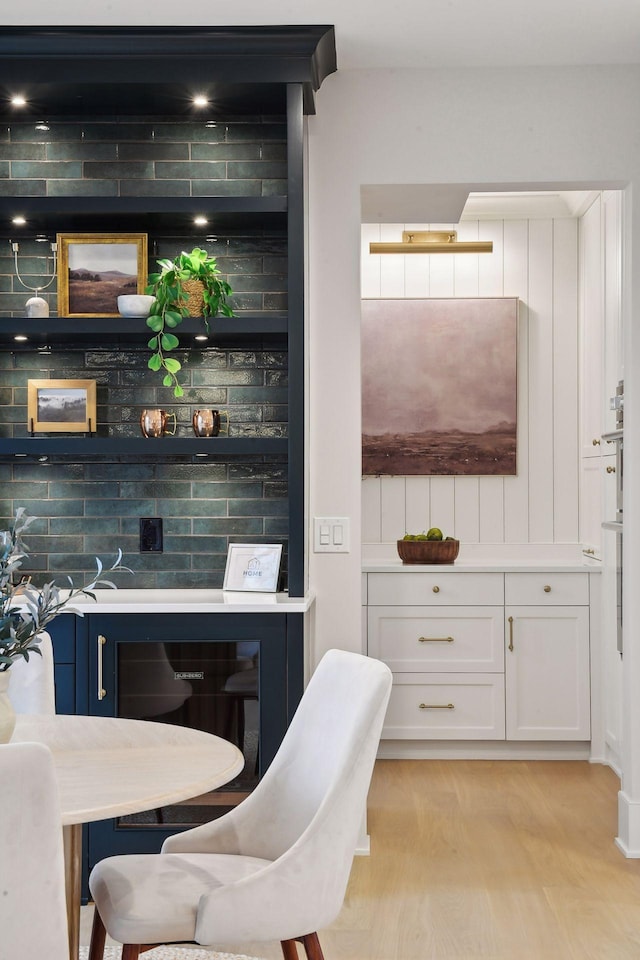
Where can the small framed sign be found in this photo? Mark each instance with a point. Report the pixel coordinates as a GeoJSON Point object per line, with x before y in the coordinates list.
{"type": "Point", "coordinates": [253, 566]}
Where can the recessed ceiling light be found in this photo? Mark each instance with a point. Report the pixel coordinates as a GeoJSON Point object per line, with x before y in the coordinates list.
{"type": "Point", "coordinates": [20, 336]}
{"type": "Point", "coordinates": [201, 336]}
{"type": "Point", "coordinates": [200, 221]}
{"type": "Point", "coordinates": [200, 100]}
{"type": "Point", "coordinates": [18, 100]}
{"type": "Point", "coordinates": [18, 221]}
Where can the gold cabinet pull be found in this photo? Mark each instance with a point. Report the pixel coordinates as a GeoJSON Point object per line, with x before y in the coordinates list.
{"type": "Point", "coordinates": [547, 588]}
{"type": "Point", "coordinates": [101, 691]}
{"type": "Point", "coordinates": [436, 589]}
{"type": "Point", "coordinates": [435, 639]}
{"type": "Point", "coordinates": [437, 706]}
{"type": "Point", "coordinates": [596, 443]}
{"type": "Point", "coordinates": [611, 469]}
{"type": "Point", "coordinates": [511, 633]}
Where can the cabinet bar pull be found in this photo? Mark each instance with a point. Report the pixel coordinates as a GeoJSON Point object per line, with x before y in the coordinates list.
{"type": "Point", "coordinates": [510, 633]}
{"type": "Point", "coordinates": [437, 706]}
{"type": "Point", "coordinates": [101, 691]}
{"type": "Point", "coordinates": [435, 639]}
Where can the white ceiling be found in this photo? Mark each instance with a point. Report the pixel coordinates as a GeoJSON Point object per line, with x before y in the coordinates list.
{"type": "Point", "coordinates": [408, 33]}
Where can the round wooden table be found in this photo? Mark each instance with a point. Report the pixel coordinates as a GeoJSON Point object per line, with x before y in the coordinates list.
{"type": "Point", "coordinates": [108, 767]}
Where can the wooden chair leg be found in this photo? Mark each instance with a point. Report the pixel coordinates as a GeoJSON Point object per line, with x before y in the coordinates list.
{"type": "Point", "coordinates": [289, 949]}
{"type": "Point", "coordinates": [312, 947]}
{"type": "Point", "coordinates": [98, 937]}
{"type": "Point", "coordinates": [130, 951]}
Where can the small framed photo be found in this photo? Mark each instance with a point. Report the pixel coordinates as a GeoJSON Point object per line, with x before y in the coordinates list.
{"type": "Point", "coordinates": [253, 566]}
{"type": "Point", "coordinates": [57, 406]}
{"type": "Point", "coordinates": [94, 269]}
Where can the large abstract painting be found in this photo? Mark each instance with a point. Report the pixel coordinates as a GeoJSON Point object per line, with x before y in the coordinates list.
{"type": "Point", "coordinates": [439, 387]}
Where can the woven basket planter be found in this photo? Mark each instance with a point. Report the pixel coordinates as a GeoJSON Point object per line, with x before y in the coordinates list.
{"type": "Point", "coordinates": [195, 304]}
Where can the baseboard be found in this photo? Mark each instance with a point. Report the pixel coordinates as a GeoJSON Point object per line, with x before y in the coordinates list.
{"type": "Point", "coordinates": [482, 750]}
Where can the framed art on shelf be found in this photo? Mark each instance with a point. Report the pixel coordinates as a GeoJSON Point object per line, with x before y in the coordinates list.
{"type": "Point", "coordinates": [94, 269]}
{"type": "Point", "coordinates": [253, 567]}
{"type": "Point", "coordinates": [57, 406]}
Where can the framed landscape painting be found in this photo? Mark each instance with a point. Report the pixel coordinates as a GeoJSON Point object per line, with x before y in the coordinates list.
{"type": "Point", "coordinates": [439, 387]}
{"type": "Point", "coordinates": [61, 406]}
{"type": "Point", "coordinates": [94, 269]}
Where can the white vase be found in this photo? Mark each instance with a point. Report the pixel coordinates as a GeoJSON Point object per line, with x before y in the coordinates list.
{"type": "Point", "coordinates": [7, 713]}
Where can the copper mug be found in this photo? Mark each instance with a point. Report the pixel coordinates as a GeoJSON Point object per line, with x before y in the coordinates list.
{"type": "Point", "coordinates": [154, 423]}
{"type": "Point", "coordinates": [208, 423]}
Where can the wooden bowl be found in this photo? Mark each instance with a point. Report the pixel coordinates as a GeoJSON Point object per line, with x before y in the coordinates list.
{"type": "Point", "coordinates": [428, 551]}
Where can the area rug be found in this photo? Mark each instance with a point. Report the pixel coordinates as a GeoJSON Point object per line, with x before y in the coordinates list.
{"type": "Point", "coordinates": [170, 953]}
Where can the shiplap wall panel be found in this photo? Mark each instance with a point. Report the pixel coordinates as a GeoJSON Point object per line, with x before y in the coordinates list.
{"type": "Point", "coordinates": [516, 489]}
{"type": "Point", "coordinates": [565, 381]}
{"type": "Point", "coordinates": [536, 261]}
{"type": "Point", "coordinates": [393, 508]}
{"type": "Point", "coordinates": [371, 509]}
{"type": "Point", "coordinates": [442, 506]}
{"type": "Point", "coordinates": [417, 492]}
{"type": "Point", "coordinates": [541, 424]}
{"type": "Point", "coordinates": [467, 499]}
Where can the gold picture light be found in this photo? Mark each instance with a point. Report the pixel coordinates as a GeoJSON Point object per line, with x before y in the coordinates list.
{"type": "Point", "coordinates": [432, 241]}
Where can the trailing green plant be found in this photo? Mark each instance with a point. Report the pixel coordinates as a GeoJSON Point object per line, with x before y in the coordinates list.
{"type": "Point", "coordinates": [25, 610]}
{"type": "Point", "coordinates": [170, 306]}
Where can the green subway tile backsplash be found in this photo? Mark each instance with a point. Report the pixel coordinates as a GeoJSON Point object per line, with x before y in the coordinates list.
{"type": "Point", "coordinates": [93, 508]}
{"type": "Point", "coordinates": [203, 506]}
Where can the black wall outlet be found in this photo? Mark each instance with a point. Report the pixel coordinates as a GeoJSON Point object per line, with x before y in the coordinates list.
{"type": "Point", "coordinates": [150, 534]}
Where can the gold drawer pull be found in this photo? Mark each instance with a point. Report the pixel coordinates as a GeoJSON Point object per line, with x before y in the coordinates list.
{"type": "Point", "coordinates": [547, 588]}
{"type": "Point", "coordinates": [611, 469]}
{"type": "Point", "coordinates": [436, 589]}
{"type": "Point", "coordinates": [101, 691]}
{"type": "Point", "coordinates": [437, 706]}
{"type": "Point", "coordinates": [596, 443]}
{"type": "Point", "coordinates": [435, 639]}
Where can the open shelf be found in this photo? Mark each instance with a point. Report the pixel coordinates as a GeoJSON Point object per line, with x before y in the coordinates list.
{"type": "Point", "coordinates": [81, 447]}
{"type": "Point", "coordinates": [162, 216]}
{"type": "Point", "coordinates": [110, 331]}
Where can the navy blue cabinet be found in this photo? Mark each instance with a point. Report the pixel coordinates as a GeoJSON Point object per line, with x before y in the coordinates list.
{"type": "Point", "coordinates": [239, 676]}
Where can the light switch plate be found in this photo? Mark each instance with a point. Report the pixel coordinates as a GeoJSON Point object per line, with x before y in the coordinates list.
{"type": "Point", "coordinates": [331, 535]}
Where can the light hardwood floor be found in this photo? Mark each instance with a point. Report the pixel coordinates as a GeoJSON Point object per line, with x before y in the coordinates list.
{"type": "Point", "coordinates": [498, 860]}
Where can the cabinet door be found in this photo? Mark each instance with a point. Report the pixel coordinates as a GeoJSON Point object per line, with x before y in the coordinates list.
{"type": "Point", "coordinates": [547, 673]}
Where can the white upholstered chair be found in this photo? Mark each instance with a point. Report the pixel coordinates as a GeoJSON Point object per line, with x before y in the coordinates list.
{"type": "Point", "coordinates": [33, 918]}
{"type": "Point", "coordinates": [276, 867]}
{"type": "Point", "coordinates": [32, 685]}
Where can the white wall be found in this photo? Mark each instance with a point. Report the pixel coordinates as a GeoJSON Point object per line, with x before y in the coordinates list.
{"type": "Point", "coordinates": [507, 129]}
{"type": "Point", "coordinates": [536, 261]}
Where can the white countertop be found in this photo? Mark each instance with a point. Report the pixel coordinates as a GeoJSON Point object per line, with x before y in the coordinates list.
{"type": "Point", "coordinates": [481, 566]}
{"type": "Point", "coordinates": [192, 601]}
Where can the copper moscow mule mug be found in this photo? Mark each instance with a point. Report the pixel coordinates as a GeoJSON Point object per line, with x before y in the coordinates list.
{"type": "Point", "coordinates": [154, 423]}
{"type": "Point", "coordinates": [208, 423]}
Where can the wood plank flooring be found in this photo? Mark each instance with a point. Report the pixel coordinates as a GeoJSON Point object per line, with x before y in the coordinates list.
{"type": "Point", "coordinates": [488, 860]}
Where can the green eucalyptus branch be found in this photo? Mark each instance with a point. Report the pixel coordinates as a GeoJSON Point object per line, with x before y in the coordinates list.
{"type": "Point", "coordinates": [25, 610]}
{"type": "Point", "coordinates": [169, 307]}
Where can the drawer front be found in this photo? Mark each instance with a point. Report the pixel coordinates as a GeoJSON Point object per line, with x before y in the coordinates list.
{"type": "Point", "coordinates": [446, 706]}
{"type": "Point", "coordinates": [436, 589]}
{"type": "Point", "coordinates": [547, 589]}
{"type": "Point", "coordinates": [466, 639]}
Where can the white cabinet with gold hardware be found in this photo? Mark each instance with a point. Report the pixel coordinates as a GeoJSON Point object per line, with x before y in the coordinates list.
{"type": "Point", "coordinates": [483, 656]}
{"type": "Point", "coordinates": [547, 673]}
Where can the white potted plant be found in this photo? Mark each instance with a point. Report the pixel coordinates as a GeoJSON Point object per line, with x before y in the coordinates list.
{"type": "Point", "coordinates": [26, 610]}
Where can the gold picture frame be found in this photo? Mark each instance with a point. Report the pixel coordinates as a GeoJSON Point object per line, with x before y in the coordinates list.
{"type": "Point", "coordinates": [94, 269]}
{"type": "Point", "coordinates": [61, 406]}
